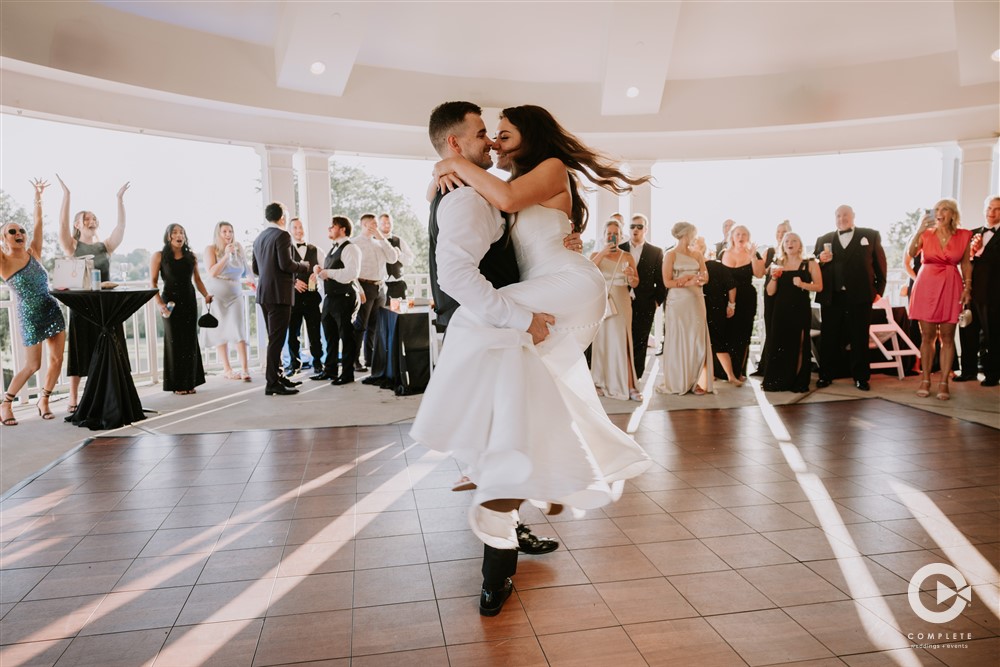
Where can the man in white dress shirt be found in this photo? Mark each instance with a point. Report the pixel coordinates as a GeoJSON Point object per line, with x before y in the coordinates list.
{"type": "Point", "coordinates": [340, 306]}
{"type": "Point", "coordinates": [376, 252]}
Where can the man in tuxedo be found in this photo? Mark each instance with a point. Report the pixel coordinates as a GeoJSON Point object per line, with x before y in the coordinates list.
{"type": "Point", "coordinates": [470, 254]}
{"type": "Point", "coordinates": [649, 293]}
{"type": "Point", "coordinates": [340, 285]}
{"type": "Point", "coordinates": [395, 286]}
{"type": "Point", "coordinates": [985, 256]}
{"type": "Point", "coordinates": [854, 275]}
{"type": "Point", "coordinates": [306, 304]}
{"type": "Point", "coordinates": [275, 267]}
{"type": "Point", "coordinates": [376, 253]}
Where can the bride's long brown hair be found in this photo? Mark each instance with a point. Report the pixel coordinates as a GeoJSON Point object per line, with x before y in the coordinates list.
{"type": "Point", "coordinates": [542, 137]}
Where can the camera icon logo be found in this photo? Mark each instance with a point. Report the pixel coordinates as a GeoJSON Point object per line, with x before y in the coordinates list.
{"type": "Point", "coordinates": [959, 590]}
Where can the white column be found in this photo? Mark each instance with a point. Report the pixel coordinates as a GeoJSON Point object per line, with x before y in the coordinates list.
{"type": "Point", "coordinates": [641, 197]}
{"type": "Point", "coordinates": [951, 160]}
{"type": "Point", "coordinates": [607, 204]}
{"type": "Point", "coordinates": [276, 176]}
{"type": "Point", "coordinates": [977, 179]}
{"type": "Point", "coordinates": [313, 170]}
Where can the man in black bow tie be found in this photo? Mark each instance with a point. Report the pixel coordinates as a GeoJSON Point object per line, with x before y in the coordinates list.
{"type": "Point", "coordinates": [306, 305]}
{"type": "Point", "coordinates": [985, 256]}
{"type": "Point", "coordinates": [339, 274]}
{"type": "Point", "coordinates": [854, 273]}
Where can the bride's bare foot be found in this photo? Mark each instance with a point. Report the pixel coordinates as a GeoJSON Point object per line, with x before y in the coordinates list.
{"type": "Point", "coordinates": [464, 484]}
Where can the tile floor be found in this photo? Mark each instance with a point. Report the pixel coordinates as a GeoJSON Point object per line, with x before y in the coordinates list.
{"type": "Point", "coordinates": [760, 537]}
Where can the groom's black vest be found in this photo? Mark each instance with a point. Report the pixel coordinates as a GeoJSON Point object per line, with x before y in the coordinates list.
{"type": "Point", "coordinates": [498, 265]}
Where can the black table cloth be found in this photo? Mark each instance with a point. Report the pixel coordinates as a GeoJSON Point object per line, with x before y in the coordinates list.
{"type": "Point", "coordinates": [401, 357]}
{"type": "Point", "coordinates": [109, 398]}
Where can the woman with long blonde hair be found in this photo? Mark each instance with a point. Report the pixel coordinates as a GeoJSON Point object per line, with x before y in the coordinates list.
{"type": "Point", "coordinates": [226, 266]}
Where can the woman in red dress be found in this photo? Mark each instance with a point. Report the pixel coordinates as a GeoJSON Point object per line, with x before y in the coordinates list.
{"type": "Point", "coordinates": [940, 291]}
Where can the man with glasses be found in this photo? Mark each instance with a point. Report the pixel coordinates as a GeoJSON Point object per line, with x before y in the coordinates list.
{"type": "Point", "coordinates": [649, 293]}
{"type": "Point", "coordinates": [339, 274]}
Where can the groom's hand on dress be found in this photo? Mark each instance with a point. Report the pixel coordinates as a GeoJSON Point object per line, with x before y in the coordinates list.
{"type": "Point", "coordinates": [539, 328]}
{"type": "Point", "coordinates": [573, 242]}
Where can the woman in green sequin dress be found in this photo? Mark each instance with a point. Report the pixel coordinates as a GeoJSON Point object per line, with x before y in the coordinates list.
{"type": "Point", "coordinates": [39, 316]}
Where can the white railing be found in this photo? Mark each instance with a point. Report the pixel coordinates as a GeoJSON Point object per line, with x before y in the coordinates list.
{"type": "Point", "coordinates": [145, 351]}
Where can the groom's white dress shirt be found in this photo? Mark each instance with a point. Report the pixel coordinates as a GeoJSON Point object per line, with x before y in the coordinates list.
{"type": "Point", "coordinates": [467, 226]}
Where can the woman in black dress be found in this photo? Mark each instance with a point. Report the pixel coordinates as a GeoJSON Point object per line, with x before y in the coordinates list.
{"type": "Point", "coordinates": [786, 355]}
{"type": "Point", "coordinates": [779, 233]}
{"type": "Point", "coordinates": [719, 291]}
{"type": "Point", "coordinates": [81, 241]}
{"type": "Point", "coordinates": [745, 264]}
{"type": "Point", "coordinates": [182, 367]}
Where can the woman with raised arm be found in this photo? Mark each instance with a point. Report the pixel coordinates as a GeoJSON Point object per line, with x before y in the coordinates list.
{"type": "Point", "coordinates": [81, 241]}
{"type": "Point", "coordinates": [225, 261]}
{"type": "Point", "coordinates": [38, 314]}
{"type": "Point", "coordinates": [182, 366]}
{"type": "Point", "coordinates": [532, 425]}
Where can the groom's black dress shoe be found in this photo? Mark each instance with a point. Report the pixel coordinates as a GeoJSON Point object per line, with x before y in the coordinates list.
{"type": "Point", "coordinates": [322, 376]}
{"type": "Point", "coordinates": [862, 385]}
{"type": "Point", "coordinates": [279, 390]}
{"type": "Point", "coordinates": [823, 382]}
{"type": "Point", "coordinates": [491, 602]}
{"type": "Point", "coordinates": [529, 543]}
{"type": "Point", "coordinates": [285, 382]}
{"type": "Point", "coordinates": [343, 380]}
{"type": "Point", "coordinates": [964, 378]}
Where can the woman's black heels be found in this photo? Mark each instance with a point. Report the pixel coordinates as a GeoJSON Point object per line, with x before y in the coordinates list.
{"type": "Point", "coordinates": [48, 414]}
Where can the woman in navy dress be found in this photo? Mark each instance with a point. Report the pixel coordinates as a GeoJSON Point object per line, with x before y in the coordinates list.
{"type": "Point", "coordinates": [39, 317]}
{"type": "Point", "coordinates": [182, 365]}
{"type": "Point", "coordinates": [82, 241]}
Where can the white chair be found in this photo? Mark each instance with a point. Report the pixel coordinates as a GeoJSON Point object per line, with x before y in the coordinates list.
{"type": "Point", "coordinates": [890, 332]}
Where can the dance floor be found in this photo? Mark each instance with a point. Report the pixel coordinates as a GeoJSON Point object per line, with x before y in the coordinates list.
{"type": "Point", "coordinates": [762, 536]}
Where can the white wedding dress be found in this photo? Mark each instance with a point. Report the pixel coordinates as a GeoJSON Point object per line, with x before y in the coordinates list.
{"type": "Point", "coordinates": [525, 420]}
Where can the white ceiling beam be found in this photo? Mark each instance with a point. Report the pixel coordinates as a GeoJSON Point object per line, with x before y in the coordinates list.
{"type": "Point", "coordinates": [328, 33]}
{"type": "Point", "coordinates": [977, 35]}
{"type": "Point", "coordinates": [640, 41]}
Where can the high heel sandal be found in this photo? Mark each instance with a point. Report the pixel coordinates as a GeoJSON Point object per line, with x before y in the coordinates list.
{"type": "Point", "coordinates": [924, 390]}
{"type": "Point", "coordinates": [9, 421]}
{"type": "Point", "coordinates": [463, 484]}
{"type": "Point", "coordinates": [634, 395]}
{"type": "Point", "coordinates": [48, 414]}
{"type": "Point", "coordinates": [943, 395]}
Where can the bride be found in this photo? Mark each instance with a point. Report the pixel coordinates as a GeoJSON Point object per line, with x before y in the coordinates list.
{"type": "Point", "coordinates": [555, 443]}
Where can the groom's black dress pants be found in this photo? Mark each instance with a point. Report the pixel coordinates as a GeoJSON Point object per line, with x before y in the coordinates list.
{"type": "Point", "coordinates": [498, 564]}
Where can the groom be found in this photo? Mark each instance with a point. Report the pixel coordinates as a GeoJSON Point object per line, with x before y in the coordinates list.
{"type": "Point", "coordinates": [470, 257]}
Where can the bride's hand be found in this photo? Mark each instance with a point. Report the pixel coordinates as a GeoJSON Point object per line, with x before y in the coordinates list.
{"type": "Point", "coordinates": [448, 182]}
{"type": "Point", "coordinates": [446, 166]}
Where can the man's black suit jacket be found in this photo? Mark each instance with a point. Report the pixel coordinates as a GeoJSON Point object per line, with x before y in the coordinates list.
{"type": "Point", "coordinates": [650, 272]}
{"type": "Point", "coordinates": [862, 265]}
{"type": "Point", "coordinates": [275, 266]}
{"type": "Point", "coordinates": [986, 270]}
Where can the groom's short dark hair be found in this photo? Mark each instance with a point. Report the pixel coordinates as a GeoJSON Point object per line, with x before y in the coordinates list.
{"type": "Point", "coordinates": [445, 118]}
{"type": "Point", "coordinates": [273, 212]}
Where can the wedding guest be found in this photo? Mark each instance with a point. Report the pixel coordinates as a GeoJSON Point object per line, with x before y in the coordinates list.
{"type": "Point", "coordinates": [305, 306]}
{"type": "Point", "coordinates": [339, 274]}
{"type": "Point", "coordinates": [720, 291]}
{"type": "Point", "coordinates": [612, 365]}
{"type": "Point", "coordinates": [985, 258]}
{"type": "Point", "coordinates": [274, 262]}
{"type": "Point", "coordinates": [727, 226]}
{"type": "Point", "coordinates": [81, 241]}
{"type": "Point", "coordinates": [687, 350]}
{"type": "Point", "coordinates": [649, 294]}
{"type": "Point", "coordinates": [39, 317]}
{"type": "Point", "coordinates": [854, 274]}
{"type": "Point", "coordinates": [943, 286]}
{"type": "Point", "coordinates": [794, 277]}
{"type": "Point", "coordinates": [742, 259]}
{"type": "Point", "coordinates": [182, 366]}
{"type": "Point", "coordinates": [779, 233]}
{"type": "Point", "coordinates": [226, 262]}
{"type": "Point", "coordinates": [376, 253]}
{"type": "Point", "coordinates": [395, 286]}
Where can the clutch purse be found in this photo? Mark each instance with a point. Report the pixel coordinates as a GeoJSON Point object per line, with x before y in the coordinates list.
{"type": "Point", "coordinates": [208, 320]}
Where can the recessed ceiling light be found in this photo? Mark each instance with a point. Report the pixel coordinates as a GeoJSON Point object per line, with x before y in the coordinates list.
{"type": "Point", "coordinates": [317, 67]}
{"type": "Point", "coordinates": [996, 55]}
{"type": "Point", "coordinates": [632, 92]}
